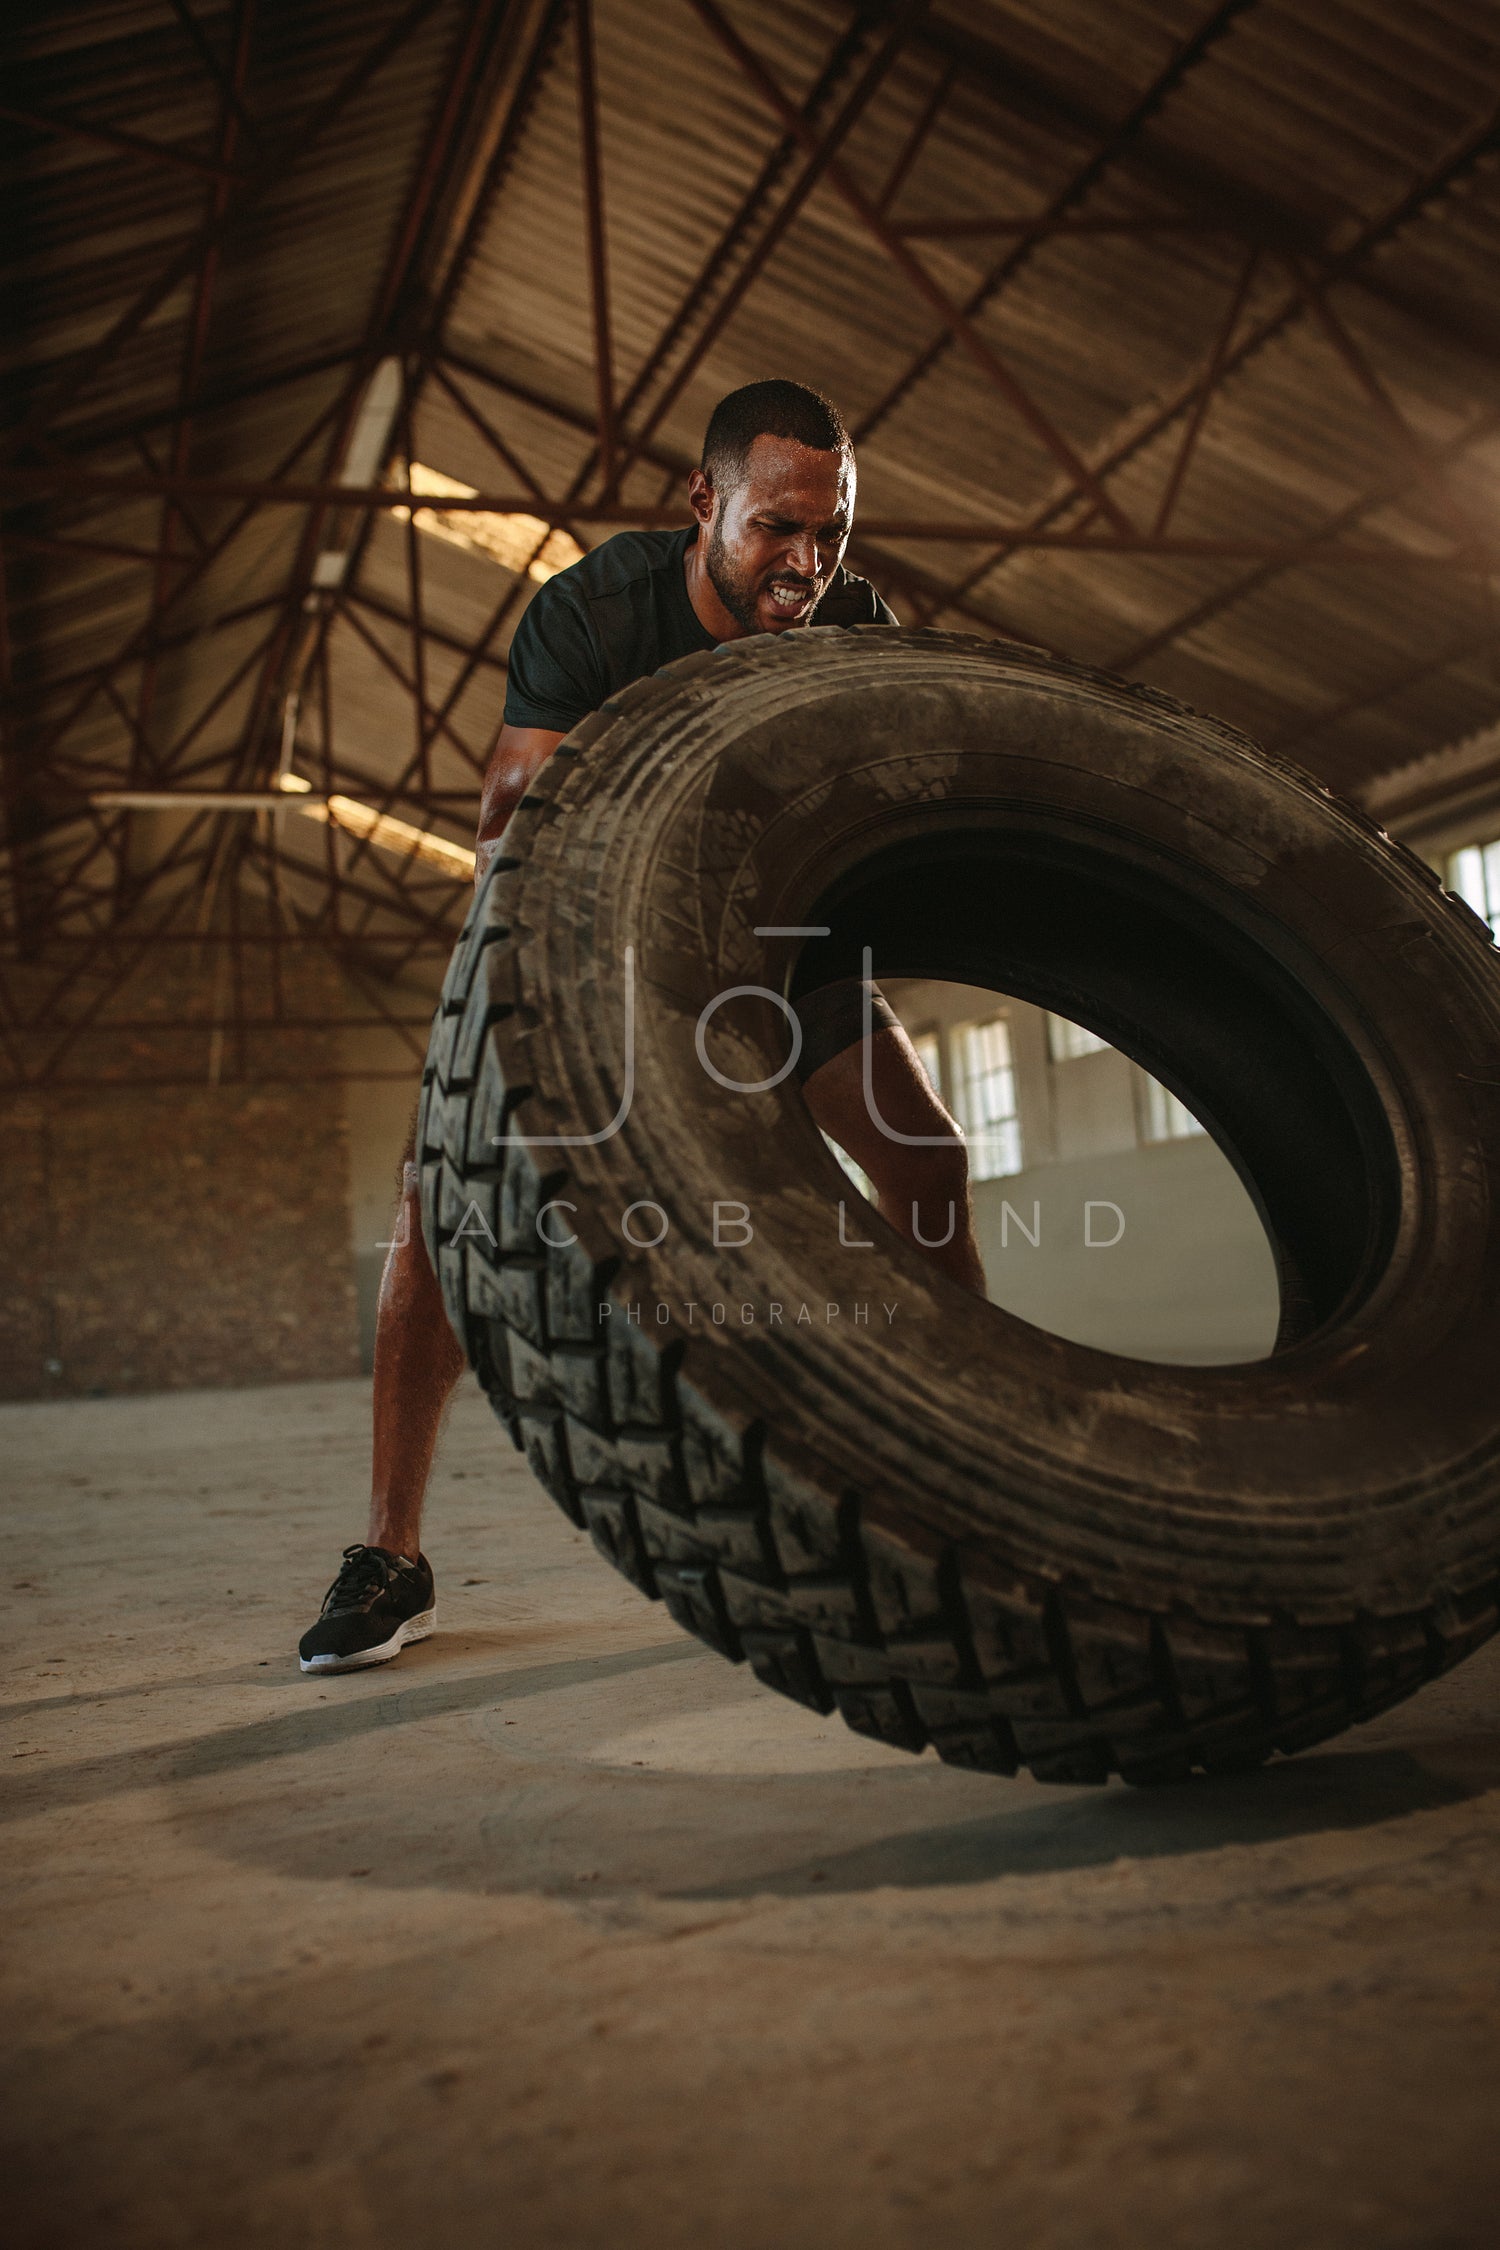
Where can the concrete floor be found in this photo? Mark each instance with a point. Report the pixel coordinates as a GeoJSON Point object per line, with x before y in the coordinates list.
{"type": "Point", "coordinates": [563, 1932]}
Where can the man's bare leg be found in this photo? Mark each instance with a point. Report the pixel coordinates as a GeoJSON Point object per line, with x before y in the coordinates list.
{"type": "Point", "coordinates": [923, 1192]}
{"type": "Point", "coordinates": [417, 1363]}
{"type": "Point", "coordinates": [383, 1597]}
{"type": "Point", "coordinates": [377, 1604]}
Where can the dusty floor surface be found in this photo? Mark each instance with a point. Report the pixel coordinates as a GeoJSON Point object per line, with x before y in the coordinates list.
{"type": "Point", "coordinates": [563, 1932]}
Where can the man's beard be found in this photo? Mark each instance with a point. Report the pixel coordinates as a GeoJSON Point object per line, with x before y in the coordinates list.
{"type": "Point", "coordinates": [736, 589]}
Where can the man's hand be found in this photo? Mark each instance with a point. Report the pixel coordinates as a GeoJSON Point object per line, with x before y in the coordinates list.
{"type": "Point", "coordinates": [519, 756]}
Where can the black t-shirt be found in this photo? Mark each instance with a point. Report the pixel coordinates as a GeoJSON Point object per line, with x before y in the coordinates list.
{"type": "Point", "coordinates": [621, 614]}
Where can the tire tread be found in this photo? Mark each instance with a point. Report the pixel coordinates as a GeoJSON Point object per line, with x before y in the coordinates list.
{"type": "Point", "coordinates": [912, 1645]}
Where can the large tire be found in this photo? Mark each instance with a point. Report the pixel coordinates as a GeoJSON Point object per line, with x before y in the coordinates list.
{"type": "Point", "coordinates": [955, 1527]}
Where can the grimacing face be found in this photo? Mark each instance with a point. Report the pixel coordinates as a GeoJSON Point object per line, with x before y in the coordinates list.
{"type": "Point", "coordinates": [778, 535]}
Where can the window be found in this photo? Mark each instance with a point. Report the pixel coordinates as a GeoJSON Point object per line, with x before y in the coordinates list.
{"type": "Point", "coordinates": [1475, 874]}
{"type": "Point", "coordinates": [517, 542]}
{"type": "Point", "coordinates": [1067, 1040]}
{"type": "Point", "coordinates": [1163, 1116]}
{"type": "Point", "coordinates": [987, 1098]}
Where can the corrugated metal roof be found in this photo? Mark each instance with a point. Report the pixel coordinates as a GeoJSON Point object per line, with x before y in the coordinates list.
{"type": "Point", "coordinates": [1167, 139]}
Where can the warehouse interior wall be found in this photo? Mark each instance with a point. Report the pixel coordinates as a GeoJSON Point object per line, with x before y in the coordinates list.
{"type": "Point", "coordinates": [1154, 1252]}
{"type": "Point", "coordinates": [1098, 1230]}
{"type": "Point", "coordinates": [159, 1235]}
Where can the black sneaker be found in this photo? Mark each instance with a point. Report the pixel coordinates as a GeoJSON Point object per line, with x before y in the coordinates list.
{"type": "Point", "coordinates": [377, 1603]}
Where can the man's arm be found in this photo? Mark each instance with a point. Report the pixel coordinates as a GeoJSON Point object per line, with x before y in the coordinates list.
{"type": "Point", "coordinates": [519, 756]}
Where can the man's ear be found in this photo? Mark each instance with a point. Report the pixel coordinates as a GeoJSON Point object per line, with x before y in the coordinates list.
{"type": "Point", "coordinates": [701, 496]}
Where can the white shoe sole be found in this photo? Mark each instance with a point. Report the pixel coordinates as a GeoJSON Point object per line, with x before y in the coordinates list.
{"type": "Point", "coordinates": [414, 1629]}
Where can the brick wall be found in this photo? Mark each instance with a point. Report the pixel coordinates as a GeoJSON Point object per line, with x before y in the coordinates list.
{"type": "Point", "coordinates": [155, 1236]}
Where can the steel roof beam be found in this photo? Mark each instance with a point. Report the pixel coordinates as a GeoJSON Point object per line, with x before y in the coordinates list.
{"type": "Point", "coordinates": [36, 691]}
{"type": "Point", "coordinates": [1113, 139]}
{"type": "Point", "coordinates": [1458, 651]}
{"type": "Point", "coordinates": [1315, 297]}
{"type": "Point", "coordinates": [842, 56]}
{"type": "Point", "coordinates": [916, 140]}
{"type": "Point", "coordinates": [954, 317]}
{"type": "Point", "coordinates": [361, 597]}
{"type": "Point", "coordinates": [441, 150]}
{"type": "Point", "coordinates": [200, 316]}
{"type": "Point", "coordinates": [96, 437]}
{"type": "Point", "coordinates": [270, 173]}
{"type": "Point", "coordinates": [1218, 370]}
{"type": "Point", "coordinates": [928, 530]}
{"type": "Point", "coordinates": [222, 79]}
{"type": "Point", "coordinates": [133, 647]}
{"type": "Point", "coordinates": [1206, 195]}
{"type": "Point", "coordinates": [819, 150]}
{"type": "Point", "coordinates": [979, 230]}
{"type": "Point", "coordinates": [113, 137]}
{"type": "Point", "coordinates": [348, 612]}
{"type": "Point", "coordinates": [1216, 358]}
{"type": "Point", "coordinates": [594, 228]}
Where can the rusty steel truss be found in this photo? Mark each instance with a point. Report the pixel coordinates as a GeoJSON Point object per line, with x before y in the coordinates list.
{"type": "Point", "coordinates": [83, 913]}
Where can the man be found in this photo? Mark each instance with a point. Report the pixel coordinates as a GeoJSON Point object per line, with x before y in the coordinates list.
{"type": "Point", "coordinates": [772, 504]}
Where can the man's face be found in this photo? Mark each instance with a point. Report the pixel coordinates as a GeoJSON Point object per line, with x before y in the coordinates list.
{"type": "Point", "coordinates": [777, 537]}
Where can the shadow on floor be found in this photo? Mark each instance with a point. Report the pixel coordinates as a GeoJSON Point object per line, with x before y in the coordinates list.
{"type": "Point", "coordinates": [1306, 1797]}
{"type": "Point", "coordinates": [702, 1837]}
{"type": "Point", "coordinates": [698, 1839]}
{"type": "Point", "coordinates": [541, 1791]}
{"type": "Point", "coordinates": [315, 1726]}
{"type": "Point", "coordinates": [272, 1673]}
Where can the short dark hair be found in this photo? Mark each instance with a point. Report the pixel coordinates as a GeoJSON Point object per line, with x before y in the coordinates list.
{"type": "Point", "coordinates": [776, 408]}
